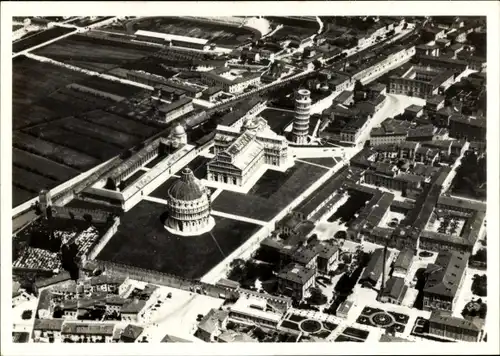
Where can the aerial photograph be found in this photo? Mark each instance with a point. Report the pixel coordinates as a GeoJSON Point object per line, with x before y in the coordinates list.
{"type": "Point", "coordinates": [268, 179]}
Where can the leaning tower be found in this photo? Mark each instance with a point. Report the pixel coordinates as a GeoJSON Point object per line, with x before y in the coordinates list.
{"type": "Point", "coordinates": [302, 113]}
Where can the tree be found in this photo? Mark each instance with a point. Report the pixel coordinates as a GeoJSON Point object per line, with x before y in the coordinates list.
{"type": "Point", "coordinates": [317, 297]}
{"type": "Point", "coordinates": [358, 86]}
{"type": "Point", "coordinates": [27, 314]}
{"type": "Point", "coordinates": [479, 257]}
{"type": "Point", "coordinates": [479, 285]}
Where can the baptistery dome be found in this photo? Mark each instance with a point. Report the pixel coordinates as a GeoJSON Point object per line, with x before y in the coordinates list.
{"type": "Point", "coordinates": [188, 206]}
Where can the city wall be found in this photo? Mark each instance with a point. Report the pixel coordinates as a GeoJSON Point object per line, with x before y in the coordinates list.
{"type": "Point", "coordinates": [104, 239]}
{"type": "Point", "coordinates": [99, 216]}
{"type": "Point", "coordinates": [63, 193]}
{"type": "Point", "coordinates": [164, 279]}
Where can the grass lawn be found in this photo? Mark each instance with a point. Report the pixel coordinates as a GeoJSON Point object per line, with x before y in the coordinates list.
{"type": "Point", "coordinates": [142, 241]}
{"type": "Point", "coordinates": [271, 194]}
{"type": "Point", "coordinates": [127, 182]}
{"type": "Point", "coordinates": [278, 120]}
{"type": "Point", "coordinates": [162, 190]}
{"type": "Point", "coordinates": [322, 161]}
{"type": "Point", "coordinates": [198, 166]}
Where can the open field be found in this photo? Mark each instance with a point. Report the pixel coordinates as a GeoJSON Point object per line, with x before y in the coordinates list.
{"type": "Point", "coordinates": [143, 241]}
{"type": "Point", "coordinates": [54, 152]}
{"type": "Point", "coordinates": [39, 38]}
{"type": "Point", "coordinates": [41, 165]}
{"type": "Point", "coordinates": [93, 53]}
{"type": "Point", "coordinates": [26, 179]}
{"type": "Point", "coordinates": [272, 192]}
{"type": "Point", "coordinates": [120, 123]}
{"type": "Point", "coordinates": [47, 97]}
{"type": "Point", "coordinates": [76, 141]}
{"type": "Point", "coordinates": [217, 33]}
{"type": "Point", "coordinates": [155, 65]}
{"type": "Point", "coordinates": [287, 31]}
{"type": "Point", "coordinates": [98, 132]}
{"type": "Point", "coordinates": [20, 195]}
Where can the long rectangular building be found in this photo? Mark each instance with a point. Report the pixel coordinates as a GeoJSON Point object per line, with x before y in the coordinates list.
{"type": "Point", "coordinates": [321, 196]}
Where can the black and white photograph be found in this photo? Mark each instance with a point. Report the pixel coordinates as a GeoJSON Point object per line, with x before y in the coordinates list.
{"type": "Point", "coordinates": [222, 177]}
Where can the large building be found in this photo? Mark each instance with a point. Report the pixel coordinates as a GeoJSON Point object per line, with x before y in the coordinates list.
{"type": "Point", "coordinates": [470, 128]}
{"type": "Point", "coordinates": [188, 206]}
{"type": "Point", "coordinates": [421, 82]}
{"type": "Point", "coordinates": [241, 152]}
{"type": "Point", "coordinates": [230, 81]}
{"type": "Point", "coordinates": [454, 328]}
{"type": "Point", "coordinates": [294, 280]}
{"type": "Point", "coordinates": [300, 130]}
{"type": "Point", "coordinates": [443, 280]}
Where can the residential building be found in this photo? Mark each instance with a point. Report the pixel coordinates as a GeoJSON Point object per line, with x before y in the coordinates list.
{"type": "Point", "coordinates": [426, 155]}
{"type": "Point", "coordinates": [131, 333]}
{"type": "Point", "coordinates": [454, 328]}
{"type": "Point", "coordinates": [373, 271]}
{"type": "Point", "coordinates": [394, 291]}
{"type": "Point", "coordinates": [433, 33]}
{"type": "Point", "coordinates": [212, 325]}
{"type": "Point", "coordinates": [305, 256]}
{"type": "Point", "coordinates": [47, 329]}
{"type": "Point", "coordinates": [311, 207]}
{"type": "Point", "coordinates": [176, 109]}
{"type": "Point", "coordinates": [470, 128]}
{"type": "Point", "coordinates": [344, 308]}
{"type": "Point", "coordinates": [403, 262]}
{"type": "Point", "coordinates": [390, 131]}
{"type": "Point", "coordinates": [229, 81]}
{"type": "Point", "coordinates": [327, 255]}
{"type": "Point", "coordinates": [443, 63]}
{"type": "Point", "coordinates": [407, 149]}
{"type": "Point", "coordinates": [251, 309]}
{"type": "Point", "coordinates": [434, 103]}
{"type": "Point", "coordinates": [294, 280]}
{"type": "Point", "coordinates": [97, 332]}
{"type": "Point", "coordinates": [443, 280]}
{"type": "Point", "coordinates": [211, 94]}
{"type": "Point", "coordinates": [421, 82]}
{"type": "Point", "coordinates": [421, 133]}
{"type": "Point", "coordinates": [414, 111]}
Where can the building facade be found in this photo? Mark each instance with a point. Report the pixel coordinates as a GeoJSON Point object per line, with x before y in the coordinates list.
{"type": "Point", "coordinates": [239, 153]}
{"type": "Point", "coordinates": [294, 280]}
{"type": "Point", "coordinates": [188, 206]}
{"type": "Point", "coordinates": [453, 328]}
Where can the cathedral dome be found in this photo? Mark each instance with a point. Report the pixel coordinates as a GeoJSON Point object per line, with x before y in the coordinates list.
{"type": "Point", "coordinates": [186, 188]}
{"type": "Point", "coordinates": [179, 130]}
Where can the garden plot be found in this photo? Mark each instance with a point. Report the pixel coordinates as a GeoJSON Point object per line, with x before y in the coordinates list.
{"type": "Point", "coordinates": [75, 141]}
{"type": "Point", "coordinates": [450, 225]}
{"type": "Point", "coordinates": [54, 152]}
